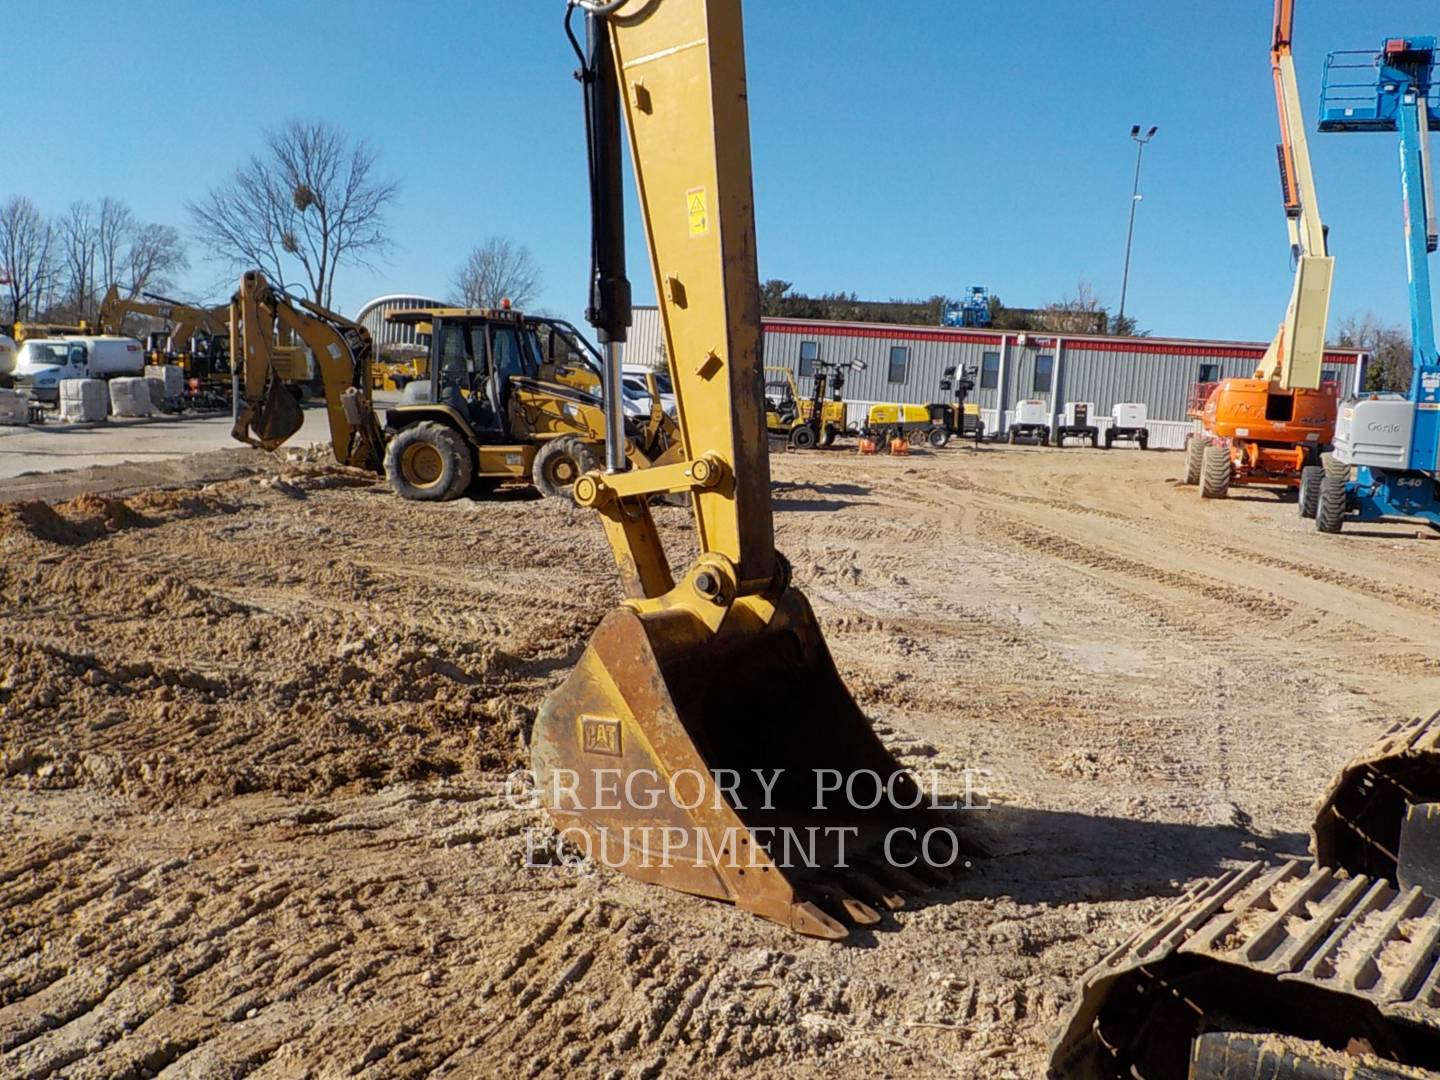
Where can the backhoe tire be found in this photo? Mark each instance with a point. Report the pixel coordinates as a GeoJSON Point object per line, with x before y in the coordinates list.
{"type": "Point", "coordinates": [938, 437]}
{"type": "Point", "coordinates": [1311, 477]}
{"type": "Point", "coordinates": [1194, 459]}
{"type": "Point", "coordinates": [429, 462]}
{"type": "Point", "coordinates": [802, 437]}
{"type": "Point", "coordinates": [559, 464]}
{"type": "Point", "coordinates": [1332, 503]}
{"type": "Point", "coordinates": [1215, 473]}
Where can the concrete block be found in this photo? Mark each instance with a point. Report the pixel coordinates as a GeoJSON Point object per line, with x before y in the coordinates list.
{"type": "Point", "coordinates": [172, 380]}
{"type": "Point", "coordinates": [130, 396]}
{"type": "Point", "coordinates": [14, 407]}
{"type": "Point", "coordinates": [83, 400]}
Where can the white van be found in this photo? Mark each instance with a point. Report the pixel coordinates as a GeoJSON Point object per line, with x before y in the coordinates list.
{"type": "Point", "coordinates": [43, 362]}
{"type": "Point", "coordinates": [636, 389]}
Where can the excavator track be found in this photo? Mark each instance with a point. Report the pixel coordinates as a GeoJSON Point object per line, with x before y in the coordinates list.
{"type": "Point", "coordinates": [1343, 963]}
{"type": "Point", "coordinates": [1360, 817]}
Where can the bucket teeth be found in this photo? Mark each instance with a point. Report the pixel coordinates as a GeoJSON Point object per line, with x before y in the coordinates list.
{"type": "Point", "coordinates": [873, 891]}
{"type": "Point", "coordinates": [857, 911]}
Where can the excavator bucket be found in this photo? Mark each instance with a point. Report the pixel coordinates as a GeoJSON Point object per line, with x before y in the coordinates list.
{"type": "Point", "coordinates": [276, 418]}
{"type": "Point", "coordinates": [735, 765]}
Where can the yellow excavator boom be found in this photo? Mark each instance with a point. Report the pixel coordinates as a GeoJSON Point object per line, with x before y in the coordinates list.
{"type": "Point", "coordinates": [710, 695]}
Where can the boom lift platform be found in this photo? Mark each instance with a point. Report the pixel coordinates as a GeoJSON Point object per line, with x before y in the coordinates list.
{"type": "Point", "coordinates": [1386, 462]}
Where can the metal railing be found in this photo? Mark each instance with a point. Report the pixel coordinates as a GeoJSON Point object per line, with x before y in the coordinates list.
{"type": "Point", "coordinates": [1350, 98]}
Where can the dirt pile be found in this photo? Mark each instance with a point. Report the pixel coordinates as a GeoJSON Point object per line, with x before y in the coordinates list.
{"type": "Point", "coordinates": [255, 738]}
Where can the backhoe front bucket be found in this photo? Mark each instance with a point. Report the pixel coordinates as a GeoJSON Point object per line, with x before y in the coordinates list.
{"type": "Point", "coordinates": [734, 765]}
{"type": "Point", "coordinates": [274, 420]}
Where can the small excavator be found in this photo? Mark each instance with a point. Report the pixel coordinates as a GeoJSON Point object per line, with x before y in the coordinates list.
{"type": "Point", "coordinates": [492, 408]}
{"type": "Point", "coordinates": [1269, 430]}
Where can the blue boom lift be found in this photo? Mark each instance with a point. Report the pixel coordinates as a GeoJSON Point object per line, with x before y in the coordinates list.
{"type": "Point", "coordinates": [973, 310]}
{"type": "Point", "coordinates": [1386, 462]}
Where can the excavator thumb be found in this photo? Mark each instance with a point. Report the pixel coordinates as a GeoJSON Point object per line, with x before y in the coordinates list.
{"type": "Point", "coordinates": [274, 420]}
{"type": "Point", "coordinates": [735, 765]}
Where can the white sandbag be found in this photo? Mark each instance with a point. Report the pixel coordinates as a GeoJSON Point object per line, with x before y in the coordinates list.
{"type": "Point", "coordinates": [83, 401]}
{"type": "Point", "coordinates": [172, 380]}
{"type": "Point", "coordinates": [14, 408]}
{"type": "Point", "coordinates": [130, 396]}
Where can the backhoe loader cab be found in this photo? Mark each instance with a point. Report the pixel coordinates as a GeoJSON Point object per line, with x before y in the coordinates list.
{"type": "Point", "coordinates": [507, 396]}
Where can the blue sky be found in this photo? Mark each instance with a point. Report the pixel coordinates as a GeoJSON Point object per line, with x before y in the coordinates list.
{"type": "Point", "coordinates": [902, 147]}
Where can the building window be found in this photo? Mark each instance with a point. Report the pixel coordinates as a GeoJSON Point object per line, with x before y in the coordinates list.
{"type": "Point", "coordinates": [1330, 375]}
{"type": "Point", "coordinates": [899, 363]}
{"type": "Point", "coordinates": [1044, 368]}
{"type": "Point", "coordinates": [990, 371]}
{"type": "Point", "coordinates": [809, 353]}
{"type": "Point", "coordinates": [1209, 372]}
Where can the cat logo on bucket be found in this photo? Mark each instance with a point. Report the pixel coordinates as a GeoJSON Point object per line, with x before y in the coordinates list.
{"type": "Point", "coordinates": [600, 736]}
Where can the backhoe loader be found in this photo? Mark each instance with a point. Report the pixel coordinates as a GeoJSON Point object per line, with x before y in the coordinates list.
{"type": "Point", "coordinates": [1269, 430]}
{"type": "Point", "coordinates": [492, 408]}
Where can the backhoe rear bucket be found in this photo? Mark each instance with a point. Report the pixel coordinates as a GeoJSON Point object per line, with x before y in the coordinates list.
{"type": "Point", "coordinates": [735, 765]}
{"type": "Point", "coordinates": [274, 420]}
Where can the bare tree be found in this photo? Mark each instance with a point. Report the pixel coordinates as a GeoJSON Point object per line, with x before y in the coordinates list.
{"type": "Point", "coordinates": [1082, 313]}
{"type": "Point", "coordinates": [27, 256]}
{"type": "Point", "coordinates": [80, 245]}
{"type": "Point", "coordinates": [309, 203]}
{"type": "Point", "coordinates": [115, 228]}
{"type": "Point", "coordinates": [497, 270]}
{"type": "Point", "coordinates": [155, 255]}
{"type": "Point", "coordinates": [1388, 346]}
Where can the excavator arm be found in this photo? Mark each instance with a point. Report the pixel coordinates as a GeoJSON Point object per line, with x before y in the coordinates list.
{"type": "Point", "coordinates": [260, 316]}
{"type": "Point", "coordinates": [184, 320]}
{"type": "Point", "coordinates": [1294, 359]}
{"type": "Point", "coordinates": [709, 693]}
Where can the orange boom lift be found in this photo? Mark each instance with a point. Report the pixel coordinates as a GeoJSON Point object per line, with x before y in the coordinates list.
{"type": "Point", "coordinates": [1270, 429]}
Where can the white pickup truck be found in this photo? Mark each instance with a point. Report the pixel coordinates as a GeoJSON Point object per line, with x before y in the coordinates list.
{"type": "Point", "coordinates": [43, 362]}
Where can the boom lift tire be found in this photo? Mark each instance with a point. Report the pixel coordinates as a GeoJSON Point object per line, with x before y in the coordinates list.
{"type": "Point", "coordinates": [1215, 473]}
{"type": "Point", "coordinates": [559, 464]}
{"type": "Point", "coordinates": [428, 462]}
{"type": "Point", "coordinates": [1194, 459]}
{"type": "Point", "coordinates": [802, 438]}
{"type": "Point", "coordinates": [1311, 477]}
{"type": "Point", "coordinates": [1331, 504]}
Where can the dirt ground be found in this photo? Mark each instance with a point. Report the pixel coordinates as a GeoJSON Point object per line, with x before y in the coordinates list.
{"type": "Point", "coordinates": [255, 734]}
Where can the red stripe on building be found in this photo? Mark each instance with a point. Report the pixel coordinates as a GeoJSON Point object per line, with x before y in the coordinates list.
{"type": "Point", "coordinates": [1159, 346]}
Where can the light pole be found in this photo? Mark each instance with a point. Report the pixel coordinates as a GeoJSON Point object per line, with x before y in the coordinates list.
{"type": "Point", "coordinates": [1140, 141]}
